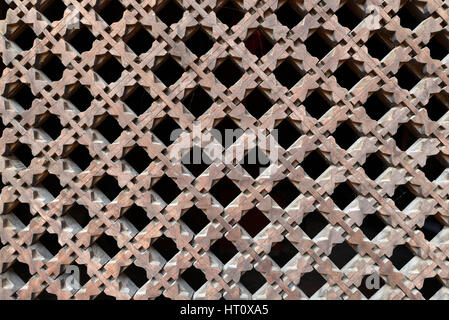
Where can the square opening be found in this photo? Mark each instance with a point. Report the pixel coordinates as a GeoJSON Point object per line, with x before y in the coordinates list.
{"type": "Point", "coordinates": [369, 292]}
{"type": "Point", "coordinates": [316, 105]}
{"type": "Point", "coordinates": [137, 275]}
{"type": "Point", "coordinates": [199, 43]}
{"type": "Point", "coordinates": [23, 96]}
{"type": "Point", "coordinates": [252, 280]}
{"type": "Point", "coordinates": [347, 17]}
{"type": "Point", "coordinates": [374, 166]}
{"type": "Point", "coordinates": [195, 219]}
{"type": "Point", "coordinates": [3, 9]}
{"type": "Point", "coordinates": [286, 133]}
{"type": "Point", "coordinates": [402, 196]}
{"type": "Point", "coordinates": [345, 135]}
{"type": "Point", "coordinates": [81, 156]}
{"type": "Point", "coordinates": [343, 195]}
{"type": "Point", "coordinates": [165, 246]}
{"type": "Point", "coordinates": [140, 40]}
{"type": "Point", "coordinates": [439, 45]}
{"type": "Point", "coordinates": [52, 184]}
{"type": "Point", "coordinates": [311, 282]}
{"type": "Point", "coordinates": [225, 191]}
{"type": "Point", "coordinates": [287, 73]}
{"type": "Point", "coordinates": [171, 12]}
{"type": "Point", "coordinates": [23, 153]}
{"type": "Point", "coordinates": [166, 130]}
{"type": "Point", "coordinates": [110, 129]}
{"type": "Point", "coordinates": [109, 186]}
{"type": "Point", "coordinates": [196, 161]}
{"type": "Point", "coordinates": [289, 14]}
{"type": "Point", "coordinates": [372, 225]}
{"type": "Point", "coordinates": [257, 103]}
{"type": "Point", "coordinates": [432, 226]}
{"type": "Point", "coordinates": [137, 216]}
{"type": "Point", "coordinates": [230, 14]}
{"type": "Point", "coordinates": [81, 98]}
{"type": "Point", "coordinates": [435, 165]}
{"type": "Point", "coordinates": [436, 107]}
{"type": "Point", "coordinates": [255, 162]}
{"type": "Point", "coordinates": [167, 189]}
{"type": "Point", "coordinates": [376, 106]}
{"type": "Point", "coordinates": [341, 254]}
{"type": "Point", "coordinates": [408, 16]}
{"type": "Point", "coordinates": [282, 252]}
{"type": "Point", "coordinates": [168, 71]}
{"type": "Point", "coordinates": [254, 221]}
{"type": "Point", "coordinates": [25, 38]}
{"type": "Point", "coordinates": [50, 242]}
{"type": "Point", "coordinates": [82, 40]}
{"type": "Point", "coordinates": [228, 72]}
{"type": "Point", "coordinates": [52, 126]}
{"type": "Point", "coordinates": [401, 255]}
{"type": "Point", "coordinates": [23, 213]}
{"type": "Point", "coordinates": [407, 79]}
{"type": "Point", "coordinates": [197, 101]}
{"type": "Point", "coordinates": [430, 287]}
{"type": "Point", "coordinates": [110, 70]}
{"type": "Point", "coordinates": [111, 12]}
{"type": "Point", "coordinates": [258, 43]}
{"type": "Point", "coordinates": [138, 158]}
{"type": "Point", "coordinates": [377, 47]}
{"type": "Point", "coordinates": [79, 213]}
{"type": "Point", "coordinates": [223, 249]}
{"type": "Point", "coordinates": [194, 277]}
{"type": "Point", "coordinates": [139, 100]}
{"type": "Point", "coordinates": [108, 244]}
{"type": "Point", "coordinates": [406, 136]}
{"type": "Point", "coordinates": [346, 76]}
{"type": "Point", "coordinates": [314, 164]}
{"type": "Point", "coordinates": [316, 44]}
{"type": "Point", "coordinates": [52, 67]}
{"type": "Point", "coordinates": [22, 270]}
{"type": "Point", "coordinates": [284, 192]}
{"type": "Point", "coordinates": [226, 132]}
{"type": "Point", "coordinates": [313, 223]}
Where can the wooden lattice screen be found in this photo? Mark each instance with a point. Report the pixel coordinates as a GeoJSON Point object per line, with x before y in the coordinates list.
{"type": "Point", "coordinates": [356, 91]}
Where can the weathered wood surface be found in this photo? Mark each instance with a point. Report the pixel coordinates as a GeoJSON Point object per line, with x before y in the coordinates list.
{"type": "Point", "coordinates": [28, 188]}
